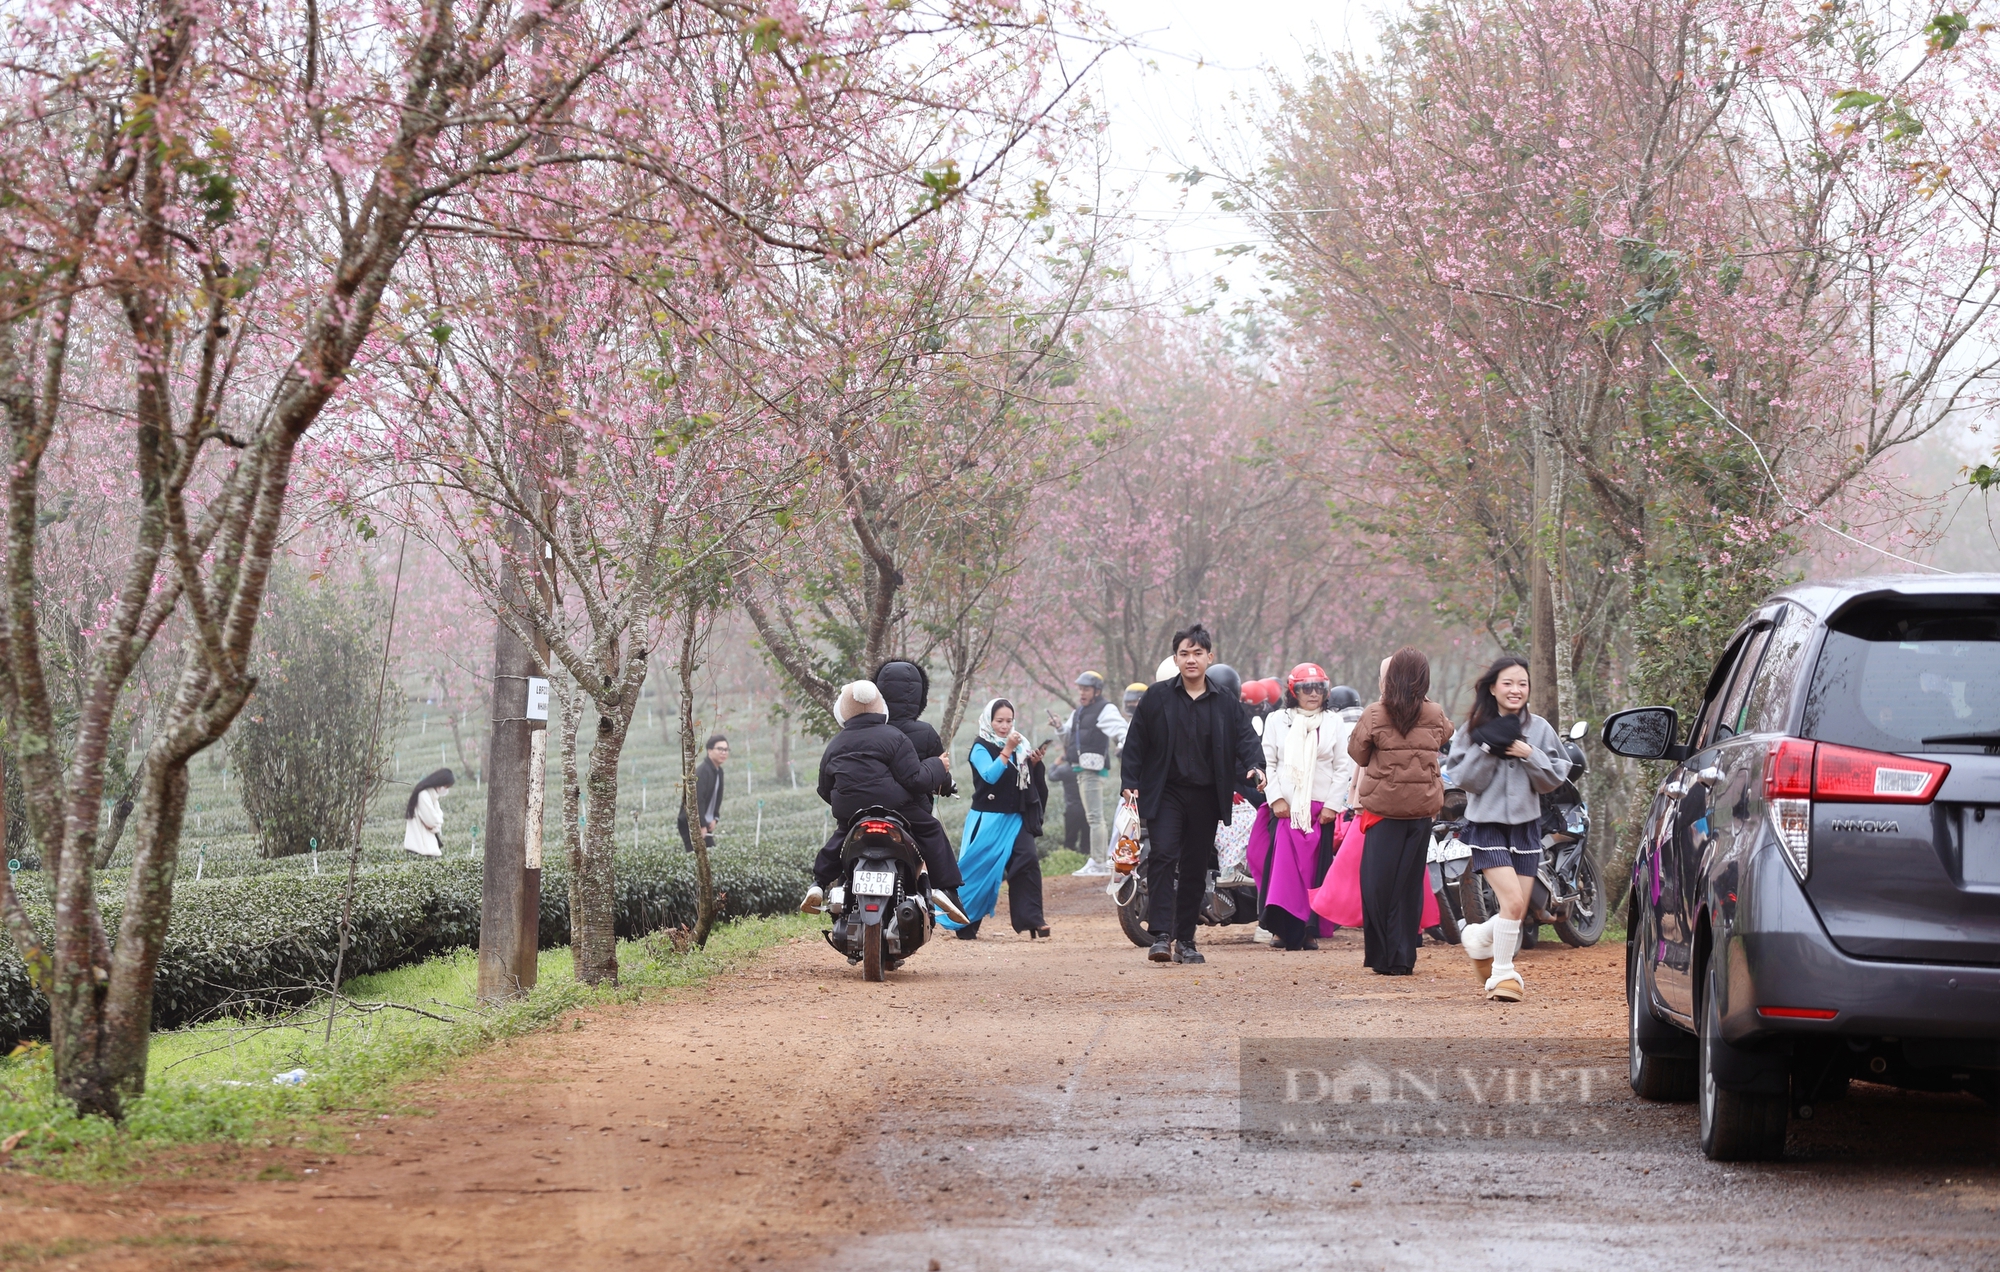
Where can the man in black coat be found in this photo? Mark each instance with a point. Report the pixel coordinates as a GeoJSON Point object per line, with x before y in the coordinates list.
{"type": "Point", "coordinates": [1188, 747]}
{"type": "Point", "coordinates": [707, 792]}
{"type": "Point", "coordinates": [868, 764]}
{"type": "Point", "coordinates": [906, 690]}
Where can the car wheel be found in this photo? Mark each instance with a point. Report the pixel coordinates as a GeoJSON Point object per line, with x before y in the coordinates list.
{"type": "Point", "coordinates": [1669, 1079]}
{"type": "Point", "coordinates": [1736, 1126]}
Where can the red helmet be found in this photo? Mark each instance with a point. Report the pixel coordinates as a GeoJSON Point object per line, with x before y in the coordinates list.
{"type": "Point", "coordinates": [1268, 690]}
{"type": "Point", "coordinates": [1306, 674]}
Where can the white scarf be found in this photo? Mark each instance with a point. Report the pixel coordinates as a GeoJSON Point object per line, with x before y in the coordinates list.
{"type": "Point", "coordinates": [999, 744]}
{"type": "Point", "coordinates": [1300, 758]}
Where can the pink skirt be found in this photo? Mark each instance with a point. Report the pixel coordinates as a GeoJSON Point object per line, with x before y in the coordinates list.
{"type": "Point", "coordinates": [1339, 898]}
{"type": "Point", "coordinates": [1292, 859]}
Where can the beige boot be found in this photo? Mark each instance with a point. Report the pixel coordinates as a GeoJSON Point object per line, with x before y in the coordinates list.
{"type": "Point", "coordinates": [1483, 969]}
{"type": "Point", "coordinates": [1506, 989]}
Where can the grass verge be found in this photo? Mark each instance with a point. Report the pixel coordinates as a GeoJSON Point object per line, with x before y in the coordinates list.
{"type": "Point", "coordinates": [1061, 862]}
{"type": "Point", "coordinates": [214, 1083]}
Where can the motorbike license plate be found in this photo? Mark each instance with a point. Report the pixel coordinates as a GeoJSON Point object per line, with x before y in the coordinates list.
{"type": "Point", "coordinates": [875, 883]}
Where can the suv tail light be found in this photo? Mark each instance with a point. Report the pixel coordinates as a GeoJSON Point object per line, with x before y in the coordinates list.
{"type": "Point", "coordinates": [1797, 771]}
{"type": "Point", "coordinates": [1871, 777]}
{"type": "Point", "coordinates": [1788, 772]}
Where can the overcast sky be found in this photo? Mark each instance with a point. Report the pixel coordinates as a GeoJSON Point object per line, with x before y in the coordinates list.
{"type": "Point", "coordinates": [1172, 100]}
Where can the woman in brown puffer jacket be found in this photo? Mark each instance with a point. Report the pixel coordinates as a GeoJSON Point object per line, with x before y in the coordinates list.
{"type": "Point", "coordinates": [1396, 744]}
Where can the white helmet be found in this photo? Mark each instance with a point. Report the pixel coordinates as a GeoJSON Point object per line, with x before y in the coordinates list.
{"type": "Point", "coordinates": [1167, 671]}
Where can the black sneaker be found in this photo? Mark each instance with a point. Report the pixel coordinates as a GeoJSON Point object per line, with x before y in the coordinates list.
{"type": "Point", "coordinates": [1185, 952]}
{"type": "Point", "coordinates": [1162, 951]}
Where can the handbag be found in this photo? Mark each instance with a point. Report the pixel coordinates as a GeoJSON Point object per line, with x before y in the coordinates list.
{"type": "Point", "coordinates": [1125, 837]}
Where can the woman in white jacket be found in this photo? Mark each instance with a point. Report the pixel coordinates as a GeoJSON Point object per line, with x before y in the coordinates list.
{"type": "Point", "coordinates": [423, 815]}
{"type": "Point", "coordinates": [1309, 778]}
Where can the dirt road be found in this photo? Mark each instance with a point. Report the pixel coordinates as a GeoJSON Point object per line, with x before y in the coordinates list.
{"type": "Point", "coordinates": [1005, 1104]}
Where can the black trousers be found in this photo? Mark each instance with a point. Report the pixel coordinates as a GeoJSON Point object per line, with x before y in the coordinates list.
{"type": "Point", "coordinates": [933, 845]}
{"type": "Point", "coordinates": [1076, 829]}
{"type": "Point", "coordinates": [1392, 892]}
{"type": "Point", "coordinates": [687, 841]}
{"type": "Point", "coordinates": [1023, 875]}
{"type": "Point", "coordinates": [1183, 852]}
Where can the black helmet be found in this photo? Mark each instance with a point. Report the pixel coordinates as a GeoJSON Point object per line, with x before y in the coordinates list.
{"type": "Point", "coordinates": [1224, 677]}
{"type": "Point", "coordinates": [1340, 698]}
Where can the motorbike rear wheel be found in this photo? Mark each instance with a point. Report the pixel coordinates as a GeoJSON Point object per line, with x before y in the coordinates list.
{"type": "Point", "coordinates": [1447, 928]}
{"type": "Point", "coordinates": [1132, 913]}
{"type": "Point", "coordinates": [1586, 922]}
{"type": "Point", "coordinates": [1475, 901]}
{"type": "Point", "coordinates": [871, 953]}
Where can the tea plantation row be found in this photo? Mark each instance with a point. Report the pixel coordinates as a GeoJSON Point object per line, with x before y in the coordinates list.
{"type": "Point", "coordinates": [253, 943]}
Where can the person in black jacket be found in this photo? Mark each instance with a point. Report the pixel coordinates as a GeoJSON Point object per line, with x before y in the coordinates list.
{"type": "Point", "coordinates": [906, 690]}
{"type": "Point", "coordinates": [1010, 793]}
{"type": "Point", "coordinates": [1188, 747]}
{"type": "Point", "coordinates": [870, 763]}
{"type": "Point", "coordinates": [707, 791]}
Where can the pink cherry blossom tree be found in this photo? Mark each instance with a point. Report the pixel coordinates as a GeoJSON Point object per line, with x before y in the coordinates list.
{"type": "Point", "coordinates": [930, 391]}
{"type": "Point", "coordinates": [1597, 292]}
{"type": "Point", "coordinates": [210, 207]}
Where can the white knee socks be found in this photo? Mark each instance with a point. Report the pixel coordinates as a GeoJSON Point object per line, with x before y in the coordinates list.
{"type": "Point", "coordinates": [1477, 939]}
{"type": "Point", "coordinates": [1506, 940]}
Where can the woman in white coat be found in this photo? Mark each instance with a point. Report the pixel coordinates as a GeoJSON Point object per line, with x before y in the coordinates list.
{"type": "Point", "coordinates": [423, 816]}
{"type": "Point", "coordinates": [1309, 777]}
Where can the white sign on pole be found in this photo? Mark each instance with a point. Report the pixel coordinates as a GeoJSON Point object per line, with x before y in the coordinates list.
{"type": "Point", "coordinates": [538, 698]}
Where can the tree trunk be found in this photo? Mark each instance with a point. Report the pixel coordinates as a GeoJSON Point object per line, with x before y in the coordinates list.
{"type": "Point", "coordinates": [784, 752]}
{"type": "Point", "coordinates": [704, 917]}
{"type": "Point", "coordinates": [1545, 697]}
{"type": "Point", "coordinates": [594, 892]}
{"type": "Point", "coordinates": [572, 806]}
{"type": "Point", "coordinates": [120, 813]}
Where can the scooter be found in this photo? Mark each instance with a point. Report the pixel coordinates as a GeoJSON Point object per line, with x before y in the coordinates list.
{"type": "Point", "coordinates": [1221, 904]}
{"type": "Point", "coordinates": [1447, 865]}
{"type": "Point", "coordinates": [881, 906]}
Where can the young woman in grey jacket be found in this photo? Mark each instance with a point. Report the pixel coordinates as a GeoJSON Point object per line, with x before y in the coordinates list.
{"type": "Point", "coordinates": [1505, 758]}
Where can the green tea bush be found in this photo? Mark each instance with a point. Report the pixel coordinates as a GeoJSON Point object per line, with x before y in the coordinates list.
{"type": "Point", "coordinates": [254, 943]}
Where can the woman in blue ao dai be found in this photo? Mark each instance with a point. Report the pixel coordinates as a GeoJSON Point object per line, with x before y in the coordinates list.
{"type": "Point", "coordinates": [1010, 790]}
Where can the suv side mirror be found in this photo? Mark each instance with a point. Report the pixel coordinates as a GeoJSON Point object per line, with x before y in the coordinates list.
{"type": "Point", "coordinates": [1644, 733]}
{"type": "Point", "coordinates": [1577, 730]}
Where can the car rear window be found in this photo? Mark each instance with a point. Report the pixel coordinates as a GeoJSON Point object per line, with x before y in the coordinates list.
{"type": "Point", "coordinates": [1903, 676]}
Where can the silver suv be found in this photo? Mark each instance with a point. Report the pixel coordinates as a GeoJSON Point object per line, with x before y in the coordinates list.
{"type": "Point", "coordinates": [1816, 896]}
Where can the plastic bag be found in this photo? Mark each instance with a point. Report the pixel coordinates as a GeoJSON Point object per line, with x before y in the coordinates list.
{"type": "Point", "coordinates": [1125, 837]}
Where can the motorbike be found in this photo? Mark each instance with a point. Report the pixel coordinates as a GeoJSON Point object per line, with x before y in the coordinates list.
{"type": "Point", "coordinates": [1447, 865]}
{"type": "Point", "coordinates": [1223, 903]}
{"type": "Point", "coordinates": [881, 906]}
{"type": "Point", "coordinates": [1569, 890]}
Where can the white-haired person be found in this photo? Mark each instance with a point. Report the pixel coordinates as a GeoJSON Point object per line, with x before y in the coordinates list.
{"type": "Point", "coordinates": [870, 763]}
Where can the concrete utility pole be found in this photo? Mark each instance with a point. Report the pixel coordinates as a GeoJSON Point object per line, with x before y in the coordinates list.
{"type": "Point", "coordinates": [511, 888]}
